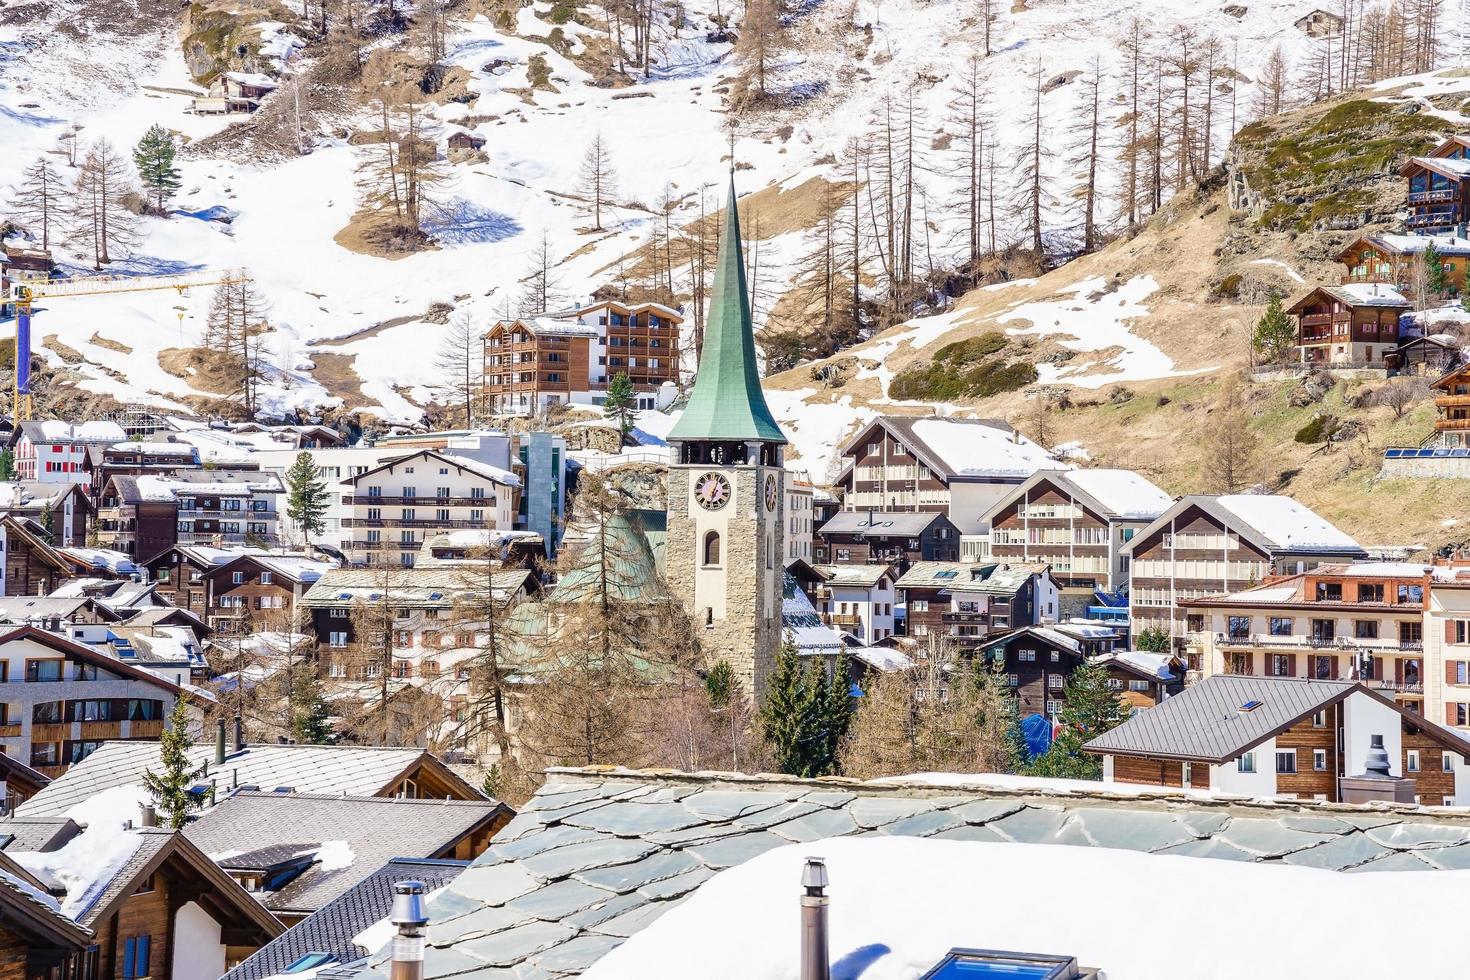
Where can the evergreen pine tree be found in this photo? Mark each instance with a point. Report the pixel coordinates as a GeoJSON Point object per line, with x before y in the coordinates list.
{"type": "Point", "coordinates": [1155, 639]}
{"type": "Point", "coordinates": [837, 712]}
{"type": "Point", "coordinates": [48, 525]}
{"type": "Point", "coordinates": [154, 158]}
{"type": "Point", "coordinates": [1438, 282]}
{"type": "Point", "coordinates": [1275, 334]}
{"type": "Point", "coordinates": [1091, 709]}
{"type": "Point", "coordinates": [170, 788]}
{"type": "Point", "coordinates": [620, 402]}
{"type": "Point", "coordinates": [310, 718]}
{"type": "Point", "coordinates": [306, 496]}
{"type": "Point", "coordinates": [800, 720]}
{"type": "Point", "coordinates": [7, 465]}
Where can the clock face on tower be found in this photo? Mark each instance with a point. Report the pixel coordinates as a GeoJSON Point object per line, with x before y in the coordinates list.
{"type": "Point", "coordinates": [770, 491]}
{"type": "Point", "coordinates": [712, 491]}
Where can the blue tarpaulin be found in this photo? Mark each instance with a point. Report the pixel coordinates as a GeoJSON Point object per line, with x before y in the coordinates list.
{"type": "Point", "coordinates": [1036, 730]}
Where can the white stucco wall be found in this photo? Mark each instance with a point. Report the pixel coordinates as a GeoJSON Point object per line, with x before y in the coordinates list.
{"type": "Point", "coordinates": [1228, 779]}
{"type": "Point", "coordinates": [1364, 717]}
{"type": "Point", "coordinates": [198, 952]}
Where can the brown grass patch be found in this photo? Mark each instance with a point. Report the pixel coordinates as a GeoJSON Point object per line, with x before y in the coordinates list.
{"type": "Point", "coordinates": [69, 355]}
{"type": "Point", "coordinates": [205, 369]}
{"type": "Point", "coordinates": [100, 341]}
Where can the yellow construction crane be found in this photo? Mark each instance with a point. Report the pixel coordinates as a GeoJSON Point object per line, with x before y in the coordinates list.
{"type": "Point", "coordinates": [25, 294]}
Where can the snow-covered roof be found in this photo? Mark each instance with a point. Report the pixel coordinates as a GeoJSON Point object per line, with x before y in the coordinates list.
{"type": "Point", "coordinates": [1367, 294]}
{"type": "Point", "coordinates": [866, 576]}
{"type": "Point", "coordinates": [495, 473]}
{"type": "Point", "coordinates": [546, 326]}
{"type": "Point", "coordinates": [1123, 492]}
{"type": "Point", "coordinates": [1414, 244]}
{"type": "Point", "coordinates": [88, 863]}
{"type": "Point", "coordinates": [156, 448]}
{"type": "Point", "coordinates": [1287, 523]}
{"type": "Point", "coordinates": [885, 659]}
{"type": "Point", "coordinates": [103, 558]}
{"type": "Point", "coordinates": [801, 625]}
{"type": "Point", "coordinates": [900, 904]}
{"type": "Point", "coordinates": [972, 449]}
{"type": "Point", "coordinates": [56, 431]}
{"type": "Point", "coordinates": [1154, 664]}
{"type": "Point", "coordinates": [252, 78]}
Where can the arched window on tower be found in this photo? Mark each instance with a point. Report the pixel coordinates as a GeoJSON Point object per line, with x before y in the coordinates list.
{"type": "Point", "coordinates": [712, 548]}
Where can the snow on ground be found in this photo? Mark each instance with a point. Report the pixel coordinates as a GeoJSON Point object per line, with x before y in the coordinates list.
{"type": "Point", "coordinates": [1096, 319]}
{"type": "Point", "coordinates": [846, 62]}
{"type": "Point", "coordinates": [1290, 272]}
{"type": "Point", "coordinates": [899, 904]}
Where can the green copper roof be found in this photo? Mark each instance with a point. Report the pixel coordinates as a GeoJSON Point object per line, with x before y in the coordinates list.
{"type": "Point", "coordinates": [727, 402]}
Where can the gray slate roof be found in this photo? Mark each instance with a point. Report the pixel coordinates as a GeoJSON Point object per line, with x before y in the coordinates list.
{"type": "Point", "coordinates": [375, 829]}
{"type": "Point", "coordinates": [1206, 722]}
{"type": "Point", "coordinates": [330, 928]}
{"type": "Point", "coordinates": [308, 768]}
{"type": "Point", "coordinates": [598, 854]}
{"type": "Point", "coordinates": [151, 840]}
{"type": "Point", "coordinates": [36, 833]}
{"type": "Point", "coordinates": [880, 524]}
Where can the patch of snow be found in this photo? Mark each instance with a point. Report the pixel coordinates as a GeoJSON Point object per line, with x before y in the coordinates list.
{"type": "Point", "coordinates": [335, 855]}
{"type": "Point", "coordinates": [1071, 450]}
{"type": "Point", "coordinates": [1290, 272]}
{"type": "Point", "coordinates": [899, 904]}
{"type": "Point", "coordinates": [1097, 318]}
{"type": "Point", "coordinates": [90, 861]}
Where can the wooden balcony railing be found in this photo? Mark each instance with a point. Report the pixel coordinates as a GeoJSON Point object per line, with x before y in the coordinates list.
{"type": "Point", "coordinates": [145, 729]}
{"type": "Point", "coordinates": [1452, 401]}
{"type": "Point", "coordinates": [1432, 197]}
{"type": "Point", "coordinates": [10, 730]}
{"type": "Point", "coordinates": [101, 729]}
{"type": "Point", "coordinates": [1452, 425]}
{"type": "Point", "coordinates": [50, 733]}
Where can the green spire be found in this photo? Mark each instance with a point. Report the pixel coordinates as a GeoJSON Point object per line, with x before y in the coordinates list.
{"type": "Point", "coordinates": [727, 403]}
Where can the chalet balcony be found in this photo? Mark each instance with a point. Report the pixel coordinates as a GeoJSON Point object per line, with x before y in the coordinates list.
{"type": "Point", "coordinates": [1452, 425]}
{"type": "Point", "coordinates": [10, 731]}
{"type": "Point", "coordinates": [50, 733]}
{"type": "Point", "coordinates": [145, 729]}
{"type": "Point", "coordinates": [101, 730]}
{"type": "Point", "coordinates": [1394, 685]}
{"type": "Point", "coordinates": [417, 502]}
{"type": "Point", "coordinates": [1432, 197]}
{"type": "Point", "coordinates": [424, 524]}
{"type": "Point", "coordinates": [51, 772]}
{"type": "Point", "coordinates": [1336, 643]}
{"type": "Point", "coordinates": [1452, 401]}
{"type": "Point", "coordinates": [842, 619]}
{"type": "Point", "coordinates": [966, 617]}
{"type": "Point", "coordinates": [1438, 219]}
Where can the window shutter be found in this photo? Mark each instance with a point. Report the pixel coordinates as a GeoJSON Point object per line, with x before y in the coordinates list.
{"type": "Point", "coordinates": [1449, 671]}
{"type": "Point", "coordinates": [1250, 663]}
{"type": "Point", "coordinates": [1449, 631]}
{"type": "Point", "coordinates": [1291, 665]}
{"type": "Point", "coordinates": [1449, 713]}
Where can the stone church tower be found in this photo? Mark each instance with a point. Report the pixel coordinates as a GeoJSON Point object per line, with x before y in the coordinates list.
{"type": "Point", "coordinates": [725, 543]}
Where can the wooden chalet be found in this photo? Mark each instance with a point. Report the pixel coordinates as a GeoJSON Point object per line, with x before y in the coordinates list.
{"type": "Point", "coordinates": [554, 359]}
{"type": "Point", "coordinates": [1351, 325]}
{"type": "Point", "coordinates": [256, 592]}
{"type": "Point", "coordinates": [968, 601]}
{"type": "Point", "coordinates": [1453, 405]}
{"type": "Point", "coordinates": [136, 522]}
{"type": "Point", "coordinates": [1336, 741]}
{"type": "Point", "coordinates": [465, 140]}
{"type": "Point", "coordinates": [27, 264]}
{"type": "Point", "coordinates": [32, 566]}
{"type": "Point", "coordinates": [234, 91]}
{"type": "Point", "coordinates": [1076, 521]}
{"type": "Point", "coordinates": [37, 942]}
{"type": "Point", "coordinates": [1391, 259]}
{"type": "Point", "coordinates": [1438, 198]}
{"type": "Point", "coordinates": [21, 781]}
{"type": "Point", "coordinates": [862, 537]}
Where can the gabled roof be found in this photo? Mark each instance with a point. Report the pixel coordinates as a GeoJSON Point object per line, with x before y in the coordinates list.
{"type": "Point", "coordinates": [29, 532]}
{"type": "Point", "coordinates": [859, 576]}
{"type": "Point", "coordinates": [354, 770]}
{"type": "Point", "coordinates": [33, 915]}
{"type": "Point", "coordinates": [353, 836]}
{"type": "Point", "coordinates": [598, 855]}
{"type": "Point", "coordinates": [727, 402]}
{"type": "Point", "coordinates": [955, 448]}
{"type": "Point", "coordinates": [1405, 245]}
{"type": "Point", "coordinates": [800, 624]}
{"type": "Point", "coordinates": [462, 463]}
{"type": "Point", "coordinates": [1005, 580]}
{"type": "Point", "coordinates": [426, 587]}
{"type": "Point", "coordinates": [333, 927]}
{"type": "Point", "coordinates": [36, 833]}
{"type": "Point", "coordinates": [73, 650]}
{"type": "Point", "coordinates": [294, 570]}
{"type": "Point", "coordinates": [1110, 494]}
{"type": "Point", "coordinates": [1207, 723]}
{"type": "Point", "coordinates": [1355, 295]}
{"type": "Point", "coordinates": [30, 608]}
{"type": "Point", "coordinates": [1274, 523]}
{"type": "Point", "coordinates": [1453, 169]}
{"type": "Point", "coordinates": [881, 523]}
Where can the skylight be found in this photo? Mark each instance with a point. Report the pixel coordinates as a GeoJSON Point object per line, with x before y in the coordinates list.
{"type": "Point", "coordinates": [977, 964]}
{"type": "Point", "coordinates": [1250, 706]}
{"type": "Point", "coordinates": [310, 962]}
{"type": "Point", "coordinates": [947, 573]}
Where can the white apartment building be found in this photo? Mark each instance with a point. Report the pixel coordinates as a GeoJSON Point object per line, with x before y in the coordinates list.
{"type": "Point", "coordinates": [395, 505]}
{"type": "Point", "coordinates": [50, 451]}
{"type": "Point", "coordinates": [800, 520]}
{"type": "Point", "coordinates": [223, 507]}
{"type": "Point", "coordinates": [858, 599]}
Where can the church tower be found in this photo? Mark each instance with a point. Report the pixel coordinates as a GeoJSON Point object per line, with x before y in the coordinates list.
{"type": "Point", "coordinates": [725, 543]}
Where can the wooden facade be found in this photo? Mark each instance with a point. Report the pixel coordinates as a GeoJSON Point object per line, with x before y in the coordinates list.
{"type": "Point", "coordinates": [32, 567]}
{"type": "Point", "coordinates": [1348, 326]}
{"type": "Point", "coordinates": [903, 544]}
{"type": "Point", "coordinates": [178, 574]}
{"type": "Point", "coordinates": [1452, 402]}
{"type": "Point", "coordinates": [1438, 197]}
{"type": "Point", "coordinates": [1392, 260]}
{"type": "Point", "coordinates": [247, 595]}
{"type": "Point", "coordinates": [131, 522]}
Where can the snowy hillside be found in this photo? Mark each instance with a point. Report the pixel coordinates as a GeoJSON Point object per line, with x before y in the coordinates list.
{"type": "Point", "coordinates": [667, 132]}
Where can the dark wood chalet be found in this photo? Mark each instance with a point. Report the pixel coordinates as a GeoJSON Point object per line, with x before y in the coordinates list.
{"type": "Point", "coordinates": [38, 942]}
{"type": "Point", "coordinates": [1452, 401]}
{"type": "Point", "coordinates": [137, 523]}
{"type": "Point", "coordinates": [967, 602]}
{"type": "Point", "coordinates": [1391, 259]}
{"type": "Point", "coordinates": [1206, 545]}
{"type": "Point", "coordinates": [1039, 660]}
{"type": "Point", "coordinates": [860, 537]}
{"type": "Point", "coordinates": [1437, 196]}
{"type": "Point", "coordinates": [32, 566]}
{"type": "Point", "coordinates": [178, 573]}
{"type": "Point", "coordinates": [255, 592]}
{"type": "Point", "coordinates": [1352, 325]}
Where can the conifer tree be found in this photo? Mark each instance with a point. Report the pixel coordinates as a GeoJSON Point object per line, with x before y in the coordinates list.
{"type": "Point", "coordinates": [311, 722]}
{"type": "Point", "coordinates": [1275, 334]}
{"type": "Point", "coordinates": [170, 788]}
{"type": "Point", "coordinates": [1438, 282]}
{"type": "Point", "coordinates": [1091, 709]}
{"type": "Point", "coordinates": [306, 496]}
{"type": "Point", "coordinates": [154, 157]}
{"type": "Point", "coordinates": [7, 464]}
{"type": "Point", "coordinates": [620, 403]}
{"type": "Point", "coordinates": [38, 198]}
{"type": "Point", "coordinates": [1154, 639]}
{"type": "Point", "coordinates": [806, 715]}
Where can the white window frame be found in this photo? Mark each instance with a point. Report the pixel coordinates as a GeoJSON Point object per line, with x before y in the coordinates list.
{"type": "Point", "coordinates": [1319, 760]}
{"type": "Point", "coordinates": [1411, 760]}
{"type": "Point", "coordinates": [1287, 756]}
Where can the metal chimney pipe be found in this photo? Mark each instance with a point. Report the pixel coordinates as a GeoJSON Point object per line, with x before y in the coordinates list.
{"type": "Point", "coordinates": [150, 815]}
{"type": "Point", "coordinates": [409, 918]}
{"type": "Point", "coordinates": [219, 743]}
{"type": "Point", "coordinates": [239, 734]}
{"type": "Point", "coordinates": [815, 964]}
